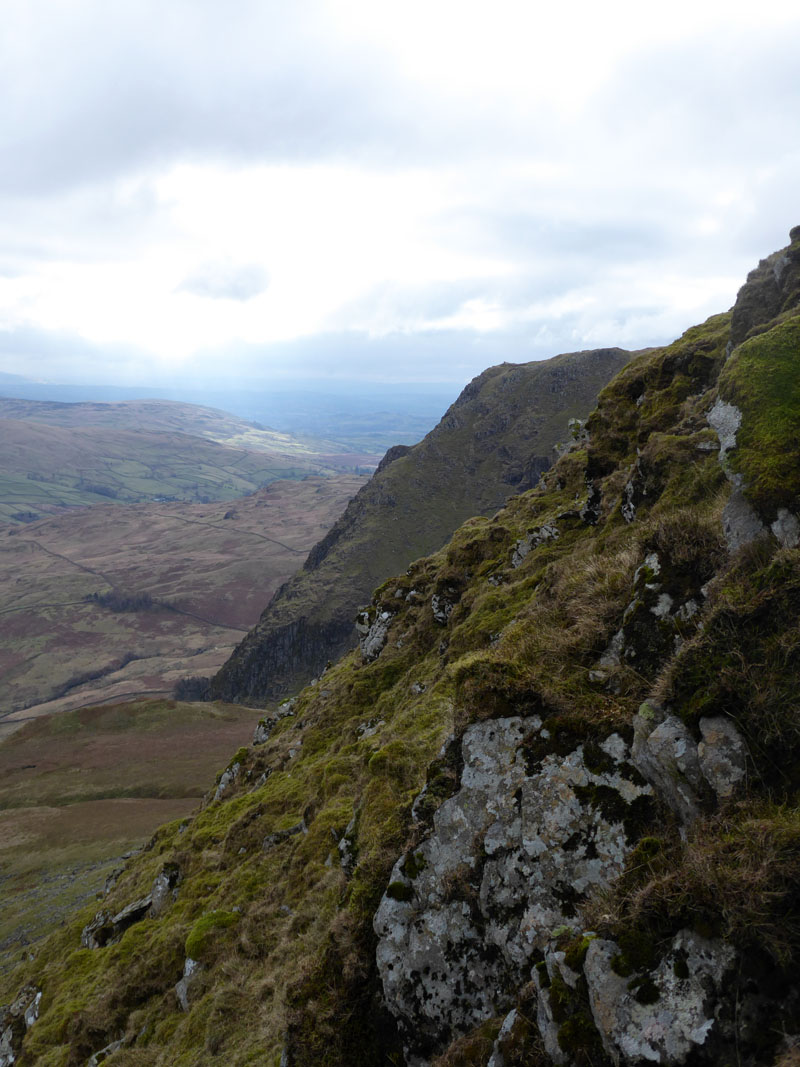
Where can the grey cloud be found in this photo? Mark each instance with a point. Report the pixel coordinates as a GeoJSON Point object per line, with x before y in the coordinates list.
{"type": "Point", "coordinates": [63, 356]}
{"type": "Point", "coordinates": [724, 101]}
{"type": "Point", "coordinates": [102, 89]}
{"type": "Point", "coordinates": [226, 281]}
{"type": "Point", "coordinates": [523, 231]}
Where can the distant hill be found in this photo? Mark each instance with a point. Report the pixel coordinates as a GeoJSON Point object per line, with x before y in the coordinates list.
{"type": "Point", "coordinates": [355, 415]}
{"type": "Point", "coordinates": [56, 456]}
{"type": "Point", "coordinates": [494, 441]}
{"type": "Point", "coordinates": [166, 416]}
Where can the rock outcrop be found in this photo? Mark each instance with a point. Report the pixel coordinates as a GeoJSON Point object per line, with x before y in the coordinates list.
{"type": "Point", "coordinates": [525, 839]}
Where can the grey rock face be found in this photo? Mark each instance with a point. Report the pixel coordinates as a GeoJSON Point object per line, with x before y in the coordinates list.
{"type": "Point", "coordinates": [679, 1021]}
{"type": "Point", "coordinates": [105, 929]}
{"type": "Point", "coordinates": [682, 771]}
{"type": "Point", "coordinates": [227, 780]}
{"type": "Point", "coordinates": [666, 754]}
{"type": "Point", "coordinates": [187, 985]}
{"type": "Point", "coordinates": [786, 529]}
{"type": "Point", "coordinates": [512, 853]}
{"type": "Point", "coordinates": [271, 840]}
{"type": "Point", "coordinates": [725, 419]}
{"type": "Point", "coordinates": [740, 524]}
{"type": "Point", "coordinates": [373, 633]}
{"type": "Point", "coordinates": [346, 847]}
{"type": "Point", "coordinates": [628, 506]}
{"type": "Point", "coordinates": [546, 1023]}
{"type": "Point", "coordinates": [266, 725]}
{"type": "Point", "coordinates": [722, 756]}
{"type": "Point", "coordinates": [165, 888]}
{"type": "Point", "coordinates": [15, 1021]}
{"type": "Point", "coordinates": [497, 1059]}
{"type": "Point", "coordinates": [590, 512]}
{"type": "Point", "coordinates": [103, 1054]}
{"type": "Point", "coordinates": [442, 605]}
{"type": "Point", "coordinates": [539, 536]}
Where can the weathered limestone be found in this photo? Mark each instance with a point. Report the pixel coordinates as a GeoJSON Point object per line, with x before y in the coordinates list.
{"type": "Point", "coordinates": [373, 633]}
{"type": "Point", "coordinates": [681, 770]}
{"type": "Point", "coordinates": [511, 856]}
{"type": "Point", "coordinates": [680, 1019]}
{"type": "Point", "coordinates": [539, 536]}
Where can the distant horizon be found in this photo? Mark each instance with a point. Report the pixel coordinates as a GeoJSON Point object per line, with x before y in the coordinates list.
{"type": "Point", "coordinates": [377, 193]}
{"type": "Point", "coordinates": [398, 416]}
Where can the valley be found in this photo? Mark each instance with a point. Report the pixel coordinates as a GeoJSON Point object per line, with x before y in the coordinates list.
{"type": "Point", "coordinates": [202, 572]}
{"type": "Point", "coordinates": [79, 790]}
{"type": "Point", "coordinates": [58, 456]}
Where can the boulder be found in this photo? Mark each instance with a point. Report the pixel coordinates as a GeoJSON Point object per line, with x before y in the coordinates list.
{"type": "Point", "coordinates": [512, 854]}
{"type": "Point", "coordinates": [187, 986]}
{"type": "Point", "coordinates": [675, 1018]}
{"type": "Point", "coordinates": [105, 928]}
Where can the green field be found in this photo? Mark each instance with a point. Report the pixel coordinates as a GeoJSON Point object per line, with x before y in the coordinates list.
{"type": "Point", "coordinates": [79, 789]}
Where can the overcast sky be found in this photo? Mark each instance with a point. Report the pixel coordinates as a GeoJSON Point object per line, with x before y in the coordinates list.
{"type": "Point", "coordinates": [192, 189]}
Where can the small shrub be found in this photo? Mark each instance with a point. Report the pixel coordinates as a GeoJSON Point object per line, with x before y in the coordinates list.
{"type": "Point", "coordinates": [194, 688]}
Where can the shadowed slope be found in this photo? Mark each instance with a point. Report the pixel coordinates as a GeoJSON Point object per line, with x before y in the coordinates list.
{"type": "Point", "coordinates": [495, 440]}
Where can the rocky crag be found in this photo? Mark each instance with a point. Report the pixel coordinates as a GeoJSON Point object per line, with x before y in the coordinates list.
{"type": "Point", "coordinates": [545, 814]}
{"type": "Point", "coordinates": [495, 440]}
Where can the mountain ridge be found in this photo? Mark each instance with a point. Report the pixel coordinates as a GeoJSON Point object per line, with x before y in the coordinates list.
{"type": "Point", "coordinates": [547, 813]}
{"type": "Point", "coordinates": [495, 439]}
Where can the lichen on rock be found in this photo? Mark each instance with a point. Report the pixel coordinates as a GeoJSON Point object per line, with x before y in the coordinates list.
{"type": "Point", "coordinates": [512, 855]}
{"type": "Point", "coordinates": [680, 1017]}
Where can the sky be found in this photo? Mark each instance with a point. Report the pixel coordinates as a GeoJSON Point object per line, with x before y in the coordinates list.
{"type": "Point", "coordinates": [325, 190]}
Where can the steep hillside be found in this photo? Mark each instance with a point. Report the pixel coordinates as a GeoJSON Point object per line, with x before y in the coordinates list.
{"type": "Point", "coordinates": [495, 440]}
{"type": "Point", "coordinates": [545, 814]}
{"type": "Point", "coordinates": [80, 789]}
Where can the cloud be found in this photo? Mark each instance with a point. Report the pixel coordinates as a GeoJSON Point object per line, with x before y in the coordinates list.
{"type": "Point", "coordinates": [336, 181]}
{"type": "Point", "coordinates": [61, 356]}
{"type": "Point", "coordinates": [226, 281]}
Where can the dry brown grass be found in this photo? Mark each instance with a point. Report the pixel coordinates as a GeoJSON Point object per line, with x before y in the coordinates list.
{"type": "Point", "coordinates": [736, 877]}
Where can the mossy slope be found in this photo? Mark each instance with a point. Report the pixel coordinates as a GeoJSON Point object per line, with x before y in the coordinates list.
{"type": "Point", "coordinates": [495, 440]}
{"type": "Point", "coordinates": [297, 849]}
